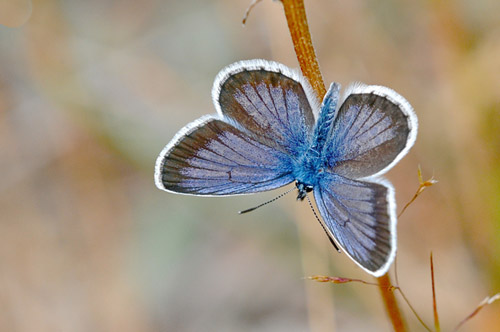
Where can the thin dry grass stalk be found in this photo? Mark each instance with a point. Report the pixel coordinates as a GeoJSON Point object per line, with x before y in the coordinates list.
{"type": "Point", "coordinates": [249, 9]}
{"type": "Point", "coordinates": [339, 280]}
{"type": "Point", "coordinates": [423, 185]}
{"type": "Point", "coordinates": [488, 300]}
{"type": "Point", "coordinates": [434, 303]}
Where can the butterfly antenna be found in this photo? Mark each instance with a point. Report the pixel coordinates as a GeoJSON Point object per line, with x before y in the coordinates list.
{"type": "Point", "coordinates": [319, 220]}
{"type": "Point", "coordinates": [265, 203]}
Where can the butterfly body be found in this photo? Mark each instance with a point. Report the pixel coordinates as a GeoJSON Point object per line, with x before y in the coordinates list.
{"type": "Point", "coordinates": [308, 168]}
{"type": "Point", "coordinates": [311, 165]}
{"type": "Point", "coordinates": [269, 131]}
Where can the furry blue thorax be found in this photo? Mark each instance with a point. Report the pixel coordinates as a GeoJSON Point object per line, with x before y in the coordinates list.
{"type": "Point", "coordinates": [312, 163]}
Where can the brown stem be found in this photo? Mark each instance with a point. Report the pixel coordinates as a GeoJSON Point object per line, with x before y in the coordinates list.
{"type": "Point", "coordinates": [391, 305]}
{"type": "Point", "coordinates": [295, 13]}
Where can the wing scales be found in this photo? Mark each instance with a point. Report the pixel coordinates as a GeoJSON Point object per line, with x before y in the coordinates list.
{"type": "Point", "coordinates": [360, 216]}
{"type": "Point", "coordinates": [217, 159]}
{"type": "Point", "coordinates": [372, 131]}
{"type": "Point", "coordinates": [268, 104]}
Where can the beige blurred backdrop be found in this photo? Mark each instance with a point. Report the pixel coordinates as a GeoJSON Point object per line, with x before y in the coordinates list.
{"type": "Point", "coordinates": [91, 91]}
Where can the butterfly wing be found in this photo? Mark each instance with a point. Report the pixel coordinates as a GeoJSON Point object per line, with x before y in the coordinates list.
{"type": "Point", "coordinates": [373, 129]}
{"type": "Point", "coordinates": [267, 100]}
{"type": "Point", "coordinates": [264, 119]}
{"type": "Point", "coordinates": [360, 216]}
{"type": "Point", "coordinates": [212, 157]}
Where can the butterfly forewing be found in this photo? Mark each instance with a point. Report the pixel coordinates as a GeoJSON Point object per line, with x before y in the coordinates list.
{"type": "Point", "coordinates": [268, 104]}
{"type": "Point", "coordinates": [213, 157]}
{"type": "Point", "coordinates": [360, 217]}
{"type": "Point", "coordinates": [373, 129]}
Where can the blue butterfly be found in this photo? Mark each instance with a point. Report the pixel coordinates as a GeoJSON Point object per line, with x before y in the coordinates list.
{"type": "Point", "coordinates": [270, 130]}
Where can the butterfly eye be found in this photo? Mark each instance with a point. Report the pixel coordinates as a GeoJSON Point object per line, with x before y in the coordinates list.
{"type": "Point", "coordinates": [303, 189]}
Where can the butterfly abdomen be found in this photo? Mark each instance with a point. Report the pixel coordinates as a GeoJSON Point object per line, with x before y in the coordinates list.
{"type": "Point", "coordinates": [326, 116]}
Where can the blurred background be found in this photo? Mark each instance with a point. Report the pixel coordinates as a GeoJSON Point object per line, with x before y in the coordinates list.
{"type": "Point", "coordinates": [91, 91]}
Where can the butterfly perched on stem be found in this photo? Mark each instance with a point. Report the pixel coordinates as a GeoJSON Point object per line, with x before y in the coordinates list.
{"type": "Point", "coordinates": [270, 130]}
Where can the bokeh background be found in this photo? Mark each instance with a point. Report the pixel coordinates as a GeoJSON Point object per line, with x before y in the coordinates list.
{"type": "Point", "coordinates": [91, 91]}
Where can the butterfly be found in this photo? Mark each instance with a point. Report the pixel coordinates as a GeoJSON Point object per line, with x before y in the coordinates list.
{"type": "Point", "coordinates": [270, 130]}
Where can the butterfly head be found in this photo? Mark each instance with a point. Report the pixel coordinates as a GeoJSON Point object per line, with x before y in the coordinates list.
{"type": "Point", "coordinates": [303, 190]}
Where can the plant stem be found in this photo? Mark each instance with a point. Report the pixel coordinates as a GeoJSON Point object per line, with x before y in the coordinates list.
{"type": "Point", "coordinates": [434, 303]}
{"type": "Point", "coordinates": [296, 18]}
{"type": "Point", "coordinates": [295, 13]}
{"type": "Point", "coordinates": [391, 305]}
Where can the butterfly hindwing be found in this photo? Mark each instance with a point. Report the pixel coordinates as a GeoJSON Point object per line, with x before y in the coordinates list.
{"type": "Point", "coordinates": [212, 157]}
{"type": "Point", "coordinates": [373, 129]}
{"type": "Point", "coordinates": [360, 216]}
